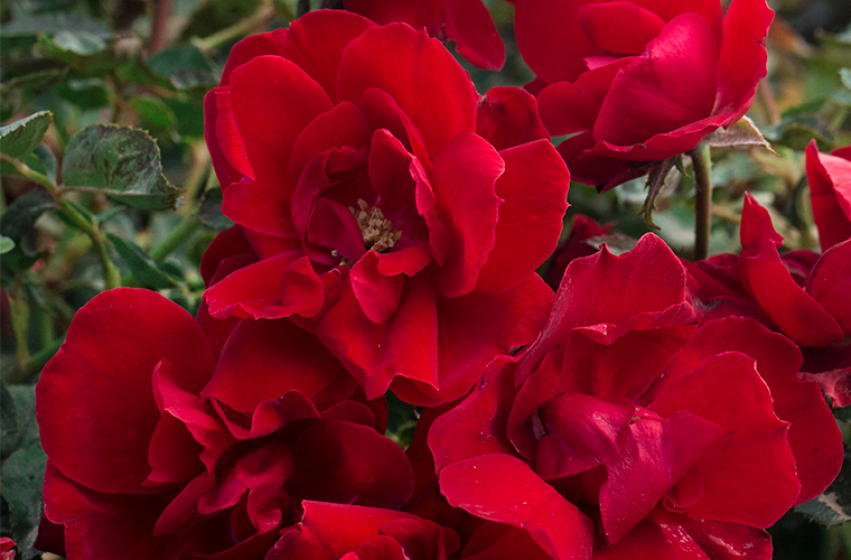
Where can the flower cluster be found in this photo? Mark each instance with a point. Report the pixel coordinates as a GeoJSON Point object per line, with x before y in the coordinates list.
{"type": "Point", "coordinates": [389, 224]}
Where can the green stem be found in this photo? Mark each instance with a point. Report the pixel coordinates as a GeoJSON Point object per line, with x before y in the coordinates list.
{"type": "Point", "coordinates": [40, 358]}
{"type": "Point", "coordinates": [260, 18]}
{"type": "Point", "coordinates": [111, 275]}
{"type": "Point", "coordinates": [703, 200]}
{"type": "Point", "coordinates": [19, 312]}
{"type": "Point", "coordinates": [176, 238]}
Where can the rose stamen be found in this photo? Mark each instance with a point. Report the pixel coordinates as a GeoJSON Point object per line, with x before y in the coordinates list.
{"type": "Point", "coordinates": [378, 232]}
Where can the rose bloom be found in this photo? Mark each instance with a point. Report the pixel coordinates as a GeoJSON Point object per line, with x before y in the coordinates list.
{"type": "Point", "coordinates": [634, 428]}
{"type": "Point", "coordinates": [637, 82]}
{"type": "Point", "coordinates": [157, 450]}
{"type": "Point", "coordinates": [391, 209]}
{"type": "Point", "coordinates": [801, 294]}
{"type": "Point", "coordinates": [465, 22]}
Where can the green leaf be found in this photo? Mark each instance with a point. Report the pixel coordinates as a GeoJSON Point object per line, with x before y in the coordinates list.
{"type": "Point", "coordinates": [23, 476]}
{"type": "Point", "coordinates": [53, 23]}
{"type": "Point", "coordinates": [210, 212]}
{"type": "Point", "coordinates": [19, 92]}
{"type": "Point", "coordinates": [143, 267]}
{"type": "Point", "coordinates": [796, 132]}
{"type": "Point", "coordinates": [68, 46]}
{"type": "Point", "coordinates": [6, 244]}
{"type": "Point", "coordinates": [154, 113]}
{"type": "Point", "coordinates": [742, 134]}
{"type": "Point", "coordinates": [123, 163]}
{"type": "Point", "coordinates": [184, 66]}
{"type": "Point", "coordinates": [22, 214]}
{"type": "Point", "coordinates": [8, 422]}
{"type": "Point", "coordinates": [18, 411]}
{"type": "Point", "coordinates": [845, 76]}
{"type": "Point", "coordinates": [833, 506]}
{"type": "Point", "coordinates": [24, 135]}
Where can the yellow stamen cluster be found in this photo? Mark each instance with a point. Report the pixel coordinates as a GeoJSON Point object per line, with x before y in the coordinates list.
{"type": "Point", "coordinates": [378, 232]}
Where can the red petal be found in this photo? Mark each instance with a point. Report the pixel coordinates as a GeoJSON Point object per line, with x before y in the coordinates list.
{"type": "Point", "coordinates": [265, 359]}
{"type": "Point", "coordinates": [767, 279]}
{"type": "Point", "coordinates": [813, 434]}
{"type": "Point", "coordinates": [508, 117]}
{"type": "Point", "coordinates": [96, 408]}
{"type": "Point", "coordinates": [377, 294]}
{"type": "Point", "coordinates": [654, 457]}
{"type": "Point", "coordinates": [551, 39]}
{"type": "Point", "coordinates": [103, 526]}
{"type": "Point", "coordinates": [830, 195]}
{"type": "Point", "coordinates": [620, 27]}
{"type": "Point", "coordinates": [472, 330]}
{"type": "Point", "coordinates": [405, 344]}
{"type": "Point", "coordinates": [749, 476]}
{"type": "Point", "coordinates": [527, 213]}
{"type": "Point", "coordinates": [463, 180]}
{"type": "Point", "coordinates": [441, 106]}
{"type": "Point", "coordinates": [357, 458]}
{"type": "Point", "coordinates": [477, 426]}
{"type": "Point", "coordinates": [273, 101]}
{"type": "Point", "coordinates": [674, 86]}
{"type": "Point", "coordinates": [830, 283]}
{"type": "Point", "coordinates": [504, 489]}
{"type": "Point", "coordinates": [743, 57]}
{"type": "Point", "coordinates": [469, 24]}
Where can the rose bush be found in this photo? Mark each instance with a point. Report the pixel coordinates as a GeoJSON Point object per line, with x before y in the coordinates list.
{"type": "Point", "coordinates": [465, 22]}
{"type": "Point", "coordinates": [157, 450]}
{"type": "Point", "coordinates": [636, 82]}
{"type": "Point", "coordinates": [636, 426]}
{"type": "Point", "coordinates": [392, 210]}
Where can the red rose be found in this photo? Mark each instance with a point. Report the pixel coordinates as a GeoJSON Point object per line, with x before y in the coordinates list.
{"type": "Point", "coordinates": [347, 532]}
{"type": "Point", "coordinates": [631, 420]}
{"type": "Point", "coordinates": [349, 156]}
{"type": "Point", "coordinates": [155, 451]}
{"type": "Point", "coordinates": [830, 193]}
{"type": "Point", "coordinates": [637, 82]}
{"type": "Point", "coordinates": [465, 22]}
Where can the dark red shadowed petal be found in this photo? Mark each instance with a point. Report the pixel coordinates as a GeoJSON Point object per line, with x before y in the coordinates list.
{"type": "Point", "coordinates": [354, 457]}
{"type": "Point", "coordinates": [96, 409]}
{"type": "Point", "coordinates": [104, 526]}
{"type": "Point", "coordinates": [502, 488]}
{"type": "Point", "coordinates": [440, 106]}
{"type": "Point", "coordinates": [377, 294]}
{"type": "Point", "coordinates": [469, 24]}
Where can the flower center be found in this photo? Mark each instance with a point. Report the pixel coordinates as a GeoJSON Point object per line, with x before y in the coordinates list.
{"type": "Point", "coordinates": [378, 233]}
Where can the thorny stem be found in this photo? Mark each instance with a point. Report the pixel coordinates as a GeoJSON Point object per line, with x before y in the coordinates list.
{"type": "Point", "coordinates": [111, 274]}
{"type": "Point", "coordinates": [703, 200]}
